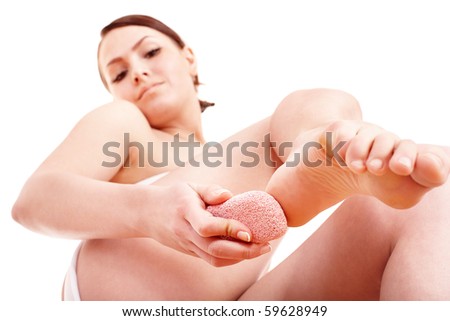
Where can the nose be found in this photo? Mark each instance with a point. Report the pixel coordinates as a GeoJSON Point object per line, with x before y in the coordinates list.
{"type": "Point", "coordinates": [140, 75]}
{"type": "Point", "coordinates": [140, 72]}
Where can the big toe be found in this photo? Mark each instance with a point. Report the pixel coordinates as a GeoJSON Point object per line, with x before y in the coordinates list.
{"type": "Point", "coordinates": [431, 168]}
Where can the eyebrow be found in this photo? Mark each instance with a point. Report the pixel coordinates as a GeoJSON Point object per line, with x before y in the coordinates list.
{"type": "Point", "coordinates": [135, 46]}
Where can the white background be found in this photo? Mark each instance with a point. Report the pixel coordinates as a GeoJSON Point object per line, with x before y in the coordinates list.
{"type": "Point", "coordinates": [393, 56]}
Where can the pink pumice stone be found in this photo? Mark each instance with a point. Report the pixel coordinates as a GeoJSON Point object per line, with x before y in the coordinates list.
{"type": "Point", "coordinates": [258, 210]}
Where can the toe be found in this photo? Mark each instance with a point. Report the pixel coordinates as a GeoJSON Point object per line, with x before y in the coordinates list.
{"type": "Point", "coordinates": [432, 169]}
{"type": "Point", "coordinates": [404, 158]}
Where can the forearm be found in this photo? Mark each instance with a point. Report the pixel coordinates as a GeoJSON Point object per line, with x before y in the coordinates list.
{"type": "Point", "coordinates": [71, 206]}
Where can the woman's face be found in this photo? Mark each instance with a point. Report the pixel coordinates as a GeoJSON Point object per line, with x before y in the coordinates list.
{"type": "Point", "coordinates": [147, 68]}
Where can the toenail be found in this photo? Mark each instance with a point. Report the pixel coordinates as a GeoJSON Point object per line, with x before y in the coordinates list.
{"type": "Point", "coordinates": [376, 163]}
{"type": "Point", "coordinates": [434, 158]}
{"type": "Point", "coordinates": [357, 164]}
{"type": "Point", "coordinates": [405, 161]}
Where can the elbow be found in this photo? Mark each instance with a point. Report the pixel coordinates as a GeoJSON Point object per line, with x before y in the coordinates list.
{"type": "Point", "coordinates": [21, 212]}
{"type": "Point", "coordinates": [34, 206]}
{"type": "Point", "coordinates": [25, 213]}
{"type": "Point", "coordinates": [25, 207]}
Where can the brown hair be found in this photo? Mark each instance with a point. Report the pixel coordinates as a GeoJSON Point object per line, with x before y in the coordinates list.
{"type": "Point", "coordinates": [146, 21]}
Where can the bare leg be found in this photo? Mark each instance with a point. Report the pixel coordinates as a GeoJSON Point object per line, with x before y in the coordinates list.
{"type": "Point", "coordinates": [367, 250]}
{"type": "Point", "coordinates": [419, 266]}
{"type": "Point", "coordinates": [342, 260]}
{"type": "Point", "coordinates": [316, 174]}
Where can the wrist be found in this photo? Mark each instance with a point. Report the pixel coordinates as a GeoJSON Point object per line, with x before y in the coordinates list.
{"type": "Point", "coordinates": [146, 203]}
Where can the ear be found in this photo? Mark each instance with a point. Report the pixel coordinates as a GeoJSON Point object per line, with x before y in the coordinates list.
{"type": "Point", "coordinates": [191, 59]}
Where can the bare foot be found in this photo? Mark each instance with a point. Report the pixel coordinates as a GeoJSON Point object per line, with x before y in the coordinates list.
{"type": "Point", "coordinates": [347, 158]}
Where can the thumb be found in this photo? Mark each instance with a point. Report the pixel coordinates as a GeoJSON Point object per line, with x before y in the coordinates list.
{"type": "Point", "coordinates": [209, 225]}
{"type": "Point", "coordinates": [211, 194]}
{"type": "Point", "coordinates": [217, 226]}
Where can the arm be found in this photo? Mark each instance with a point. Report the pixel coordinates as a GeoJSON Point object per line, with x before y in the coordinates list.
{"type": "Point", "coordinates": [68, 205]}
{"type": "Point", "coordinates": [70, 195]}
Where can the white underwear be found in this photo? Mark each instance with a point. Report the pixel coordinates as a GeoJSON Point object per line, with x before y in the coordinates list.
{"type": "Point", "coordinates": [70, 289]}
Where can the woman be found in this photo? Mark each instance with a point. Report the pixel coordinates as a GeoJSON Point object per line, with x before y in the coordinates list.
{"type": "Point", "coordinates": [157, 242]}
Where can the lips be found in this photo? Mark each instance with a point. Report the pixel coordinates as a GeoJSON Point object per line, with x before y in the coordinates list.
{"type": "Point", "coordinates": [146, 89]}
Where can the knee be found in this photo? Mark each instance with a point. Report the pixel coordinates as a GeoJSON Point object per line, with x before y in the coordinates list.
{"type": "Point", "coordinates": [319, 100]}
{"type": "Point", "coordinates": [346, 102]}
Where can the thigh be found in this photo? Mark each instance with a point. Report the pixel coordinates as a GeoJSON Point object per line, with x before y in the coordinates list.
{"type": "Point", "coordinates": [367, 250]}
{"type": "Point", "coordinates": [419, 267]}
{"type": "Point", "coordinates": [343, 260]}
{"type": "Point", "coordinates": [142, 269]}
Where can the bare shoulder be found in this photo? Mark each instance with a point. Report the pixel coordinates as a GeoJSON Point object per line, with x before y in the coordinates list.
{"type": "Point", "coordinates": [121, 115]}
{"type": "Point", "coordinates": [83, 150]}
{"type": "Point", "coordinates": [126, 139]}
{"type": "Point", "coordinates": [113, 121]}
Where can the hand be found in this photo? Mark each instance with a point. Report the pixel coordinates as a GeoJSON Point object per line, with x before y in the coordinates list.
{"type": "Point", "coordinates": [189, 228]}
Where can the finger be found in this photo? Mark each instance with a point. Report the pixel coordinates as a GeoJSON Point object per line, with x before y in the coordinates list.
{"type": "Point", "coordinates": [211, 194]}
{"type": "Point", "coordinates": [381, 152]}
{"type": "Point", "coordinates": [214, 261]}
{"type": "Point", "coordinates": [213, 249]}
{"type": "Point", "coordinates": [404, 158]}
{"type": "Point", "coordinates": [359, 148]}
{"type": "Point", "coordinates": [234, 250]}
{"type": "Point", "coordinates": [207, 225]}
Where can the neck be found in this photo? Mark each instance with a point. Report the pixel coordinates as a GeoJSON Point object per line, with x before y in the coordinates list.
{"type": "Point", "coordinates": [187, 123]}
{"type": "Point", "coordinates": [185, 134]}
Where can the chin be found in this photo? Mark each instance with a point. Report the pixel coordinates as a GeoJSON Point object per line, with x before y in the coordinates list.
{"type": "Point", "coordinates": [159, 114]}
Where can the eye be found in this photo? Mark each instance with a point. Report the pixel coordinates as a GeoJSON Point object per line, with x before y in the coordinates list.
{"type": "Point", "coordinates": [120, 76]}
{"type": "Point", "coordinates": [152, 53]}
